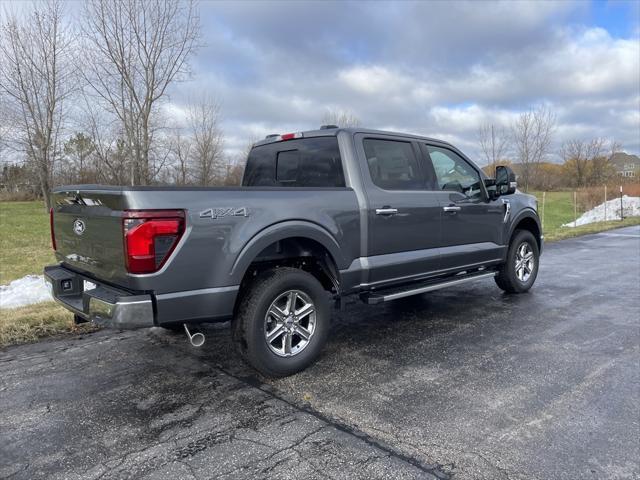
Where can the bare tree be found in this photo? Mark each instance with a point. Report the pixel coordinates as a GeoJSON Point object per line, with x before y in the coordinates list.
{"type": "Point", "coordinates": [78, 150]}
{"type": "Point", "coordinates": [579, 157]}
{"type": "Point", "coordinates": [493, 143]}
{"type": "Point", "coordinates": [4, 127]}
{"type": "Point", "coordinates": [206, 153]}
{"type": "Point", "coordinates": [235, 171]}
{"type": "Point", "coordinates": [181, 148]}
{"type": "Point", "coordinates": [110, 148]}
{"type": "Point", "coordinates": [532, 133]}
{"type": "Point", "coordinates": [35, 69]}
{"type": "Point", "coordinates": [135, 50]}
{"type": "Point", "coordinates": [601, 167]}
{"type": "Point", "coordinates": [341, 118]}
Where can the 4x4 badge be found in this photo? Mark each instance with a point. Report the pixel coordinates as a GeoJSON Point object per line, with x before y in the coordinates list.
{"type": "Point", "coordinates": [214, 213]}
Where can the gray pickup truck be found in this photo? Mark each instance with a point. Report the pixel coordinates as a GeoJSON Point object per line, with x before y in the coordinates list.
{"type": "Point", "coordinates": [320, 215]}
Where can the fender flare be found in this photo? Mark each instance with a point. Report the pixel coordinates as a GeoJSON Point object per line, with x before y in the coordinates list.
{"type": "Point", "coordinates": [525, 213]}
{"type": "Point", "coordinates": [282, 231]}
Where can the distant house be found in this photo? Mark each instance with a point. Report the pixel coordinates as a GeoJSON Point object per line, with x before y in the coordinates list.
{"type": "Point", "coordinates": [626, 165]}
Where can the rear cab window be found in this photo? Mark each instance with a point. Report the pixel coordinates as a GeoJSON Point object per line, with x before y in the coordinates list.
{"type": "Point", "coordinates": [393, 164]}
{"type": "Point", "coordinates": [304, 162]}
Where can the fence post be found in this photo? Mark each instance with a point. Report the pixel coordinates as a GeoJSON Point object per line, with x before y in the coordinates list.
{"type": "Point", "coordinates": [605, 203]}
{"type": "Point", "coordinates": [544, 197]}
{"type": "Point", "coordinates": [575, 209]}
{"type": "Point", "coordinates": [621, 209]}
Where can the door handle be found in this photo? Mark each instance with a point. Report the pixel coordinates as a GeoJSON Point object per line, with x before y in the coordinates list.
{"type": "Point", "coordinates": [386, 211]}
{"type": "Point", "coordinates": [452, 208]}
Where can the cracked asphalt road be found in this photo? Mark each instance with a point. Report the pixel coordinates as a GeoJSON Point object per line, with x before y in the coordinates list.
{"type": "Point", "coordinates": [465, 383]}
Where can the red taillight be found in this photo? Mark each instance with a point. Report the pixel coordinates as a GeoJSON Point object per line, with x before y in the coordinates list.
{"type": "Point", "coordinates": [53, 233]}
{"type": "Point", "coordinates": [290, 136]}
{"type": "Point", "coordinates": [150, 237]}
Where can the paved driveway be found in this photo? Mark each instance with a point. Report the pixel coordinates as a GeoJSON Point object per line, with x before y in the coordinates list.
{"type": "Point", "coordinates": [464, 383]}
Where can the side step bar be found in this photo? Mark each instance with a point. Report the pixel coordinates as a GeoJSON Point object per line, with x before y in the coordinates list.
{"type": "Point", "coordinates": [374, 298]}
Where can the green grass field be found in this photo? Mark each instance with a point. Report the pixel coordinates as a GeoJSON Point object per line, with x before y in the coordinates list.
{"type": "Point", "coordinates": [558, 210]}
{"type": "Point", "coordinates": [25, 242]}
{"type": "Point", "coordinates": [25, 247]}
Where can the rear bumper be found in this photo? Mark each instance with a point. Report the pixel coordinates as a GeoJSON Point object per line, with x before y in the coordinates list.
{"type": "Point", "coordinates": [103, 305]}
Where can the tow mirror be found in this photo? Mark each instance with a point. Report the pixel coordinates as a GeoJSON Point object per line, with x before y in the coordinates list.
{"type": "Point", "coordinates": [505, 180]}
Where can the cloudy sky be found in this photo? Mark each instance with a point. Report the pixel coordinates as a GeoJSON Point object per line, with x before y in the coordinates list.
{"type": "Point", "coordinates": [435, 68]}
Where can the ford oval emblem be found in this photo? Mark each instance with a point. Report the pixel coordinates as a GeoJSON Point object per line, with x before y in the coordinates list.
{"type": "Point", "coordinates": [78, 227]}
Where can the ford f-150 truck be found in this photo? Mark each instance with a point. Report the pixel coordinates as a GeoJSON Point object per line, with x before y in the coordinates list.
{"type": "Point", "coordinates": [320, 215]}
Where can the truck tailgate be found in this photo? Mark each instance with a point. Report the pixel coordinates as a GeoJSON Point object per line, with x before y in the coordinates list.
{"type": "Point", "coordinates": [87, 226]}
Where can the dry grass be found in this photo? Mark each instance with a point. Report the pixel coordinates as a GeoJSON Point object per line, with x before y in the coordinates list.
{"type": "Point", "coordinates": [30, 323]}
{"type": "Point", "coordinates": [560, 234]}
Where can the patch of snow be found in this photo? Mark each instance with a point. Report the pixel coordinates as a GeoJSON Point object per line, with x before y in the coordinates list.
{"type": "Point", "coordinates": [24, 291]}
{"type": "Point", "coordinates": [630, 208]}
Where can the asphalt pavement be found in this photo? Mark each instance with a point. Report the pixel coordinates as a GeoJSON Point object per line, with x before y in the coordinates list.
{"type": "Point", "coordinates": [465, 383]}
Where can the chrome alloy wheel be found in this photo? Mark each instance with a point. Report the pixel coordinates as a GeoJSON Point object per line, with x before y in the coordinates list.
{"type": "Point", "coordinates": [525, 262]}
{"type": "Point", "coordinates": [290, 323]}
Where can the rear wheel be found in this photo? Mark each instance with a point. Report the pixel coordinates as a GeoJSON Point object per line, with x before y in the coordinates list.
{"type": "Point", "coordinates": [519, 272]}
{"type": "Point", "coordinates": [282, 322]}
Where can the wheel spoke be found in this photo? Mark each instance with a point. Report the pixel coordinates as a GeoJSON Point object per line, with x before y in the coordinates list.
{"type": "Point", "coordinates": [303, 332]}
{"type": "Point", "coordinates": [275, 333]}
{"type": "Point", "coordinates": [304, 311]}
{"type": "Point", "coordinates": [277, 313]}
{"type": "Point", "coordinates": [528, 256]}
{"type": "Point", "coordinates": [291, 303]}
{"type": "Point", "coordinates": [286, 343]}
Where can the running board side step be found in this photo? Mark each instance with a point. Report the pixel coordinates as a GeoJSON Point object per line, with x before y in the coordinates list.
{"type": "Point", "coordinates": [379, 297]}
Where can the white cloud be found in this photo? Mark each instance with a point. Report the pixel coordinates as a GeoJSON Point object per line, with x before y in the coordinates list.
{"type": "Point", "coordinates": [432, 68]}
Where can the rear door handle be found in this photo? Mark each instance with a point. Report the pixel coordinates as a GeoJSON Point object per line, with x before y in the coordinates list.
{"type": "Point", "coordinates": [452, 209]}
{"type": "Point", "coordinates": [386, 211]}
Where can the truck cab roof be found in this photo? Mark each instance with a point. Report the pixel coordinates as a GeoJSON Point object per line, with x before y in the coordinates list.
{"type": "Point", "coordinates": [328, 132]}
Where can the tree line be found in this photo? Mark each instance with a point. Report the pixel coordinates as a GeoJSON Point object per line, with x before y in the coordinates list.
{"type": "Point", "coordinates": [527, 145]}
{"type": "Point", "coordinates": [85, 104]}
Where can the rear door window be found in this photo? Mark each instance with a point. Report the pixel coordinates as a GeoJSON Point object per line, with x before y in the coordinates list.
{"type": "Point", "coordinates": [306, 162]}
{"type": "Point", "coordinates": [393, 164]}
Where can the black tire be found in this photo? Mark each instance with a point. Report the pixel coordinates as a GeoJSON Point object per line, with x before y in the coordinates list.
{"type": "Point", "coordinates": [507, 279]}
{"type": "Point", "coordinates": [248, 326]}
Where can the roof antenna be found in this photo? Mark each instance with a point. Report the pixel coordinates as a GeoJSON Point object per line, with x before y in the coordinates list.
{"type": "Point", "coordinates": [328, 127]}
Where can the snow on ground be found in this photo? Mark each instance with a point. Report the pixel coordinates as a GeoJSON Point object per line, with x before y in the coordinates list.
{"type": "Point", "coordinates": [24, 291]}
{"type": "Point", "coordinates": [630, 207]}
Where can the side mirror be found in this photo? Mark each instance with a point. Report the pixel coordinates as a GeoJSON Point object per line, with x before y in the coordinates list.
{"type": "Point", "coordinates": [505, 180]}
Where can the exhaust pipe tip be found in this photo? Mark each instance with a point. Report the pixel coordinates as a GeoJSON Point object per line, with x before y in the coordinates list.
{"type": "Point", "coordinates": [196, 338]}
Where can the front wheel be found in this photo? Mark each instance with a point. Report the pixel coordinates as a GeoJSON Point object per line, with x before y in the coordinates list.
{"type": "Point", "coordinates": [282, 322]}
{"type": "Point", "coordinates": [519, 272]}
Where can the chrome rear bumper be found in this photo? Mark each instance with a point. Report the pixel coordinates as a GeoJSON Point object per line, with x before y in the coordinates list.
{"type": "Point", "coordinates": [103, 305]}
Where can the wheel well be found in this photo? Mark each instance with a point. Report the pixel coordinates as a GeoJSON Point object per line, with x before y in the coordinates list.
{"type": "Point", "coordinates": [530, 224]}
{"type": "Point", "coordinates": [297, 252]}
